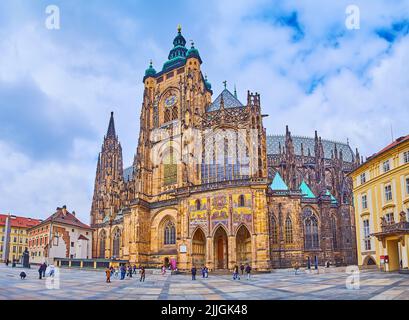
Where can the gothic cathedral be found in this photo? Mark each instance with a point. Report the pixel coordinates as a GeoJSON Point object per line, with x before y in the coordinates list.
{"type": "Point", "coordinates": [209, 187]}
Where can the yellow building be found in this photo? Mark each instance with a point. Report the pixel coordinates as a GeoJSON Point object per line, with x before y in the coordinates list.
{"type": "Point", "coordinates": [14, 236]}
{"type": "Point", "coordinates": [381, 198]}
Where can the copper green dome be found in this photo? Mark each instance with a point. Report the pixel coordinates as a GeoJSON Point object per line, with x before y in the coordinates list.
{"type": "Point", "coordinates": [150, 71]}
{"type": "Point", "coordinates": [207, 84]}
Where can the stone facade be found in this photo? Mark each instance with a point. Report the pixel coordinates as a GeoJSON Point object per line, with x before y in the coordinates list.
{"type": "Point", "coordinates": [198, 192]}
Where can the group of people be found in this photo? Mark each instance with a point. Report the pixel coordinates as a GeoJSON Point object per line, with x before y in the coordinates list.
{"type": "Point", "coordinates": [124, 271]}
{"type": "Point", "coordinates": [236, 274]}
{"type": "Point", "coordinates": [42, 270]}
{"type": "Point", "coordinates": [204, 270]}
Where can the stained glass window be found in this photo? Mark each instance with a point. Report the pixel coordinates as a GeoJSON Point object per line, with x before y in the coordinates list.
{"type": "Point", "coordinates": [170, 233]}
{"type": "Point", "coordinates": [288, 231]}
{"type": "Point", "coordinates": [311, 233]}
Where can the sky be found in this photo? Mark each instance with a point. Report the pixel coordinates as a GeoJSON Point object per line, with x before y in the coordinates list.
{"type": "Point", "coordinates": [58, 87]}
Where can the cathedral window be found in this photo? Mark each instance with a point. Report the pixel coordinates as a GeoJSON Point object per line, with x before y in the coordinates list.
{"type": "Point", "coordinates": [274, 231]}
{"type": "Point", "coordinates": [170, 233]}
{"type": "Point", "coordinates": [288, 231]}
{"type": "Point", "coordinates": [311, 233]}
{"type": "Point", "coordinates": [116, 243]}
{"type": "Point", "coordinates": [197, 204]}
{"type": "Point", "coordinates": [175, 113]}
{"type": "Point", "coordinates": [167, 115]}
{"type": "Point", "coordinates": [102, 245]}
{"type": "Point", "coordinates": [334, 232]}
{"type": "Point", "coordinates": [241, 201]}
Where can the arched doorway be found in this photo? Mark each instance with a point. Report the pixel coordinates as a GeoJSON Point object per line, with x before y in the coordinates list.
{"type": "Point", "coordinates": [199, 248]}
{"type": "Point", "coordinates": [220, 249]}
{"type": "Point", "coordinates": [243, 246]}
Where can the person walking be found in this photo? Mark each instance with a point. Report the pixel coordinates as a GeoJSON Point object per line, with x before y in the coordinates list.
{"type": "Point", "coordinates": [40, 271]}
{"type": "Point", "coordinates": [163, 270]}
{"type": "Point", "coordinates": [236, 273]}
{"type": "Point", "coordinates": [123, 272]}
{"type": "Point", "coordinates": [134, 268]}
{"type": "Point", "coordinates": [203, 272]}
{"type": "Point", "coordinates": [142, 272]}
{"type": "Point", "coordinates": [248, 271]}
{"type": "Point", "coordinates": [193, 270]}
{"type": "Point", "coordinates": [108, 275]}
{"type": "Point", "coordinates": [242, 269]}
{"type": "Point", "coordinates": [206, 272]}
{"type": "Point", "coordinates": [116, 272]}
{"type": "Point", "coordinates": [130, 271]}
{"type": "Point", "coordinates": [44, 269]}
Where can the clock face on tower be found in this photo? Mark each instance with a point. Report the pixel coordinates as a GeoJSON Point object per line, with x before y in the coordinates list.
{"type": "Point", "coordinates": [170, 101]}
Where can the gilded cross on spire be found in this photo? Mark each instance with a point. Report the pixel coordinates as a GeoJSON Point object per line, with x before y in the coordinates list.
{"type": "Point", "coordinates": [225, 84]}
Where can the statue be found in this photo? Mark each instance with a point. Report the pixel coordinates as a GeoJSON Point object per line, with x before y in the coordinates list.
{"type": "Point", "coordinates": [383, 222]}
{"type": "Point", "coordinates": [26, 259]}
{"type": "Point", "coordinates": [402, 217]}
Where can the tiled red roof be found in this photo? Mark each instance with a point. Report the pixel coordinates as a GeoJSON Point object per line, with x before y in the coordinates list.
{"type": "Point", "coordinates": [390, 146]}
{"type": "Point", "coordinates": [65, 218]}
{"type": "Point", "coordinates": [81, 237]}
{"type": "Point", "coordinates": [19, 222]}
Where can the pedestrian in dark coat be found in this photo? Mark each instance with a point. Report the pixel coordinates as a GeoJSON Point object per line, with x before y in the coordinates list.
{"type": "Point", "coordinates": [193, 270]}
{"type": "Point", "coordinates": [23, 275]}
{"type": "Point", "coordinates": [40, 272]}
{"type": "Point", "coordinates": [44, 269]}
{"type": "Point", "coordinates": [248, 271]}
{"type": "Point", "coordinates": [123, 272]}
{"type": "Point", "coordinates": [142, 271]}
{"type": "Point", "coordinates": [242, 269]}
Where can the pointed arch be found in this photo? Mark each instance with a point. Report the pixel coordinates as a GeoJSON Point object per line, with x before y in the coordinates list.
{"type": "Point", "coordinates": [220, 245]}
{"type": "Point", "coordinates": [243, 245]}
{"type": "Point", "coordinates": [274, 230]}
{"type": "Point", "coordinates": [288, 230]}
{"type": "Point", "coordinates": [169, 233]}
{"type": "Point", "coordinates": [101, 243]}
{"type": "Point", "coordinates": [116, 242]}
{"type": "Point", "coordinates": [198, 247]}
{"type": "Point", "coordinates": [311, 231]}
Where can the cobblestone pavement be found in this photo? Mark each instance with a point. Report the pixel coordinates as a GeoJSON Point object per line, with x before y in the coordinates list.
{"type": "Point", "coordinates": [283, 284]}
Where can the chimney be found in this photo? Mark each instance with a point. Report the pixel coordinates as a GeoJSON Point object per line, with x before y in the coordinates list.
{"type": "Point", "coordinates": [73, 213]}
{"type": "Point", "coordinates": [64, 210]}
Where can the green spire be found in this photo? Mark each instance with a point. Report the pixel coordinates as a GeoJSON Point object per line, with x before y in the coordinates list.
{"type": "Point", "coordinates": [150, 71]}
{"type": "Point", "coordinates": [306, 191]}
{"type": "Point", "coordinates": [278, 183]}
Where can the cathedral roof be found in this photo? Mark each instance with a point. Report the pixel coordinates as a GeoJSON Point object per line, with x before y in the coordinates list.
{"type": "Point", "coordinates": [306, 191]}
{"type": "Point", "coordinates": [273, 142]}
{"type": "Point", "coordinates": [333, 200]}
{"type": "Point", "coordinates": [278, 183]}
{"type": "Point", "coordinates": [177, 56]}
{"type": "Point", "coordinates": [229, 101]}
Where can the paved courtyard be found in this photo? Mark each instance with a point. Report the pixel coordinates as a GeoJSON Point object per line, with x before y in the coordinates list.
{"type": "Point", "coordinates": [283, 284]}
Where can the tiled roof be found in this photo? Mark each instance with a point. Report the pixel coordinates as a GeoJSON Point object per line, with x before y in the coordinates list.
{"type": "Point", "coordinates": [390, 146]}
{"type": "Point", "coordinates": [81, 237]}
{"type": "Point", "coordinates": [273, 142]}
{"type": "Point", "coordinates": [229, 100]}
{"type": "Point", "coordinates": [278, 183]}
{"type": "Point", "coordinates": [67, 218]}
{"type": "Point", "coordinates": [19, 222]}
{"type": "Point", "coordinates": [333, 200]}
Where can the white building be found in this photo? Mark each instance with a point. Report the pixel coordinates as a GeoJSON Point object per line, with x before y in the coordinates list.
{"type": "Point", "coordinates": [61, 235]}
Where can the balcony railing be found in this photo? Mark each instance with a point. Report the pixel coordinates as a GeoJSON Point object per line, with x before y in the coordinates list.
{"type": "Point", "coordinates": [396, 227]}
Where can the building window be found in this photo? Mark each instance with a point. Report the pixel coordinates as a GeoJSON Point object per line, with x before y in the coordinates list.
{"type": "Point", "coordinates": [363, 178]}
{"type": "Point", "coordinates": [116, 243]}
{"type": "Point", "coordinates": [274, 231]}
{"type": "Point", "coordinates": [389, 218]}
{"type": "Point", "coordinates": [407, 186]}
{"type": "Point", "coordinates": [170, 233]}
{"type": "Point", "coordinates": [334, 232]}
{"type": "Point", "coordinates": [72, 244]}
{"type": "Point", "coordinates": [364, 202]}
{"type": "Point", "coordinates": [311, 233]}
{"type": "Point", "coordinates": [367, 233]}
{"type": "Point", "coordinates": [388, 192]}
{"type": "Point", "coordinates": [386, 166]}
{"type": "Point", "coordinates": [102, 240]}
{"type": "Point", "coordinates": [241, 201]}
{"type": "Point", "coordinates": [406, 157]}
{"type": "Point", "coordinates": [198, 204]}
{"type": "Point", "coordinates": [288, 231]}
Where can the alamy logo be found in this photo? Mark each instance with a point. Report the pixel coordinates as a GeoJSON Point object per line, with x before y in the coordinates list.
{"type": "Point", "coordinates": [52, 22]}
{"type": "Point", "coordinates": [353, 20]}
{"type": "Point", "coordinates": [352, 281]}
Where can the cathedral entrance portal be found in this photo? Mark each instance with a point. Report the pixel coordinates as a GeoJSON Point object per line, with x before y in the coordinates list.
{"type": "Point", "coordinates": [243, 246]}
{"type": "Point", "coordinates": [220, 249]}
{"type": "Point", "coordinates": [199, 249]}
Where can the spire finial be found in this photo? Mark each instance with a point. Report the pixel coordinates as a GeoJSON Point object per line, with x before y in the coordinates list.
{"type": "Point", "coordinates": [225, 84]}
{"type": "Point", "coordinates": [235, 91]}
{"type": "Point", "coordinates": [179, 28]}
{"type": "Point", "coordinates": [150, 63]}
{"type": "Point", "coordinates": [111, 126]}
{"type": "Point", "coordinates": [192, 43]}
